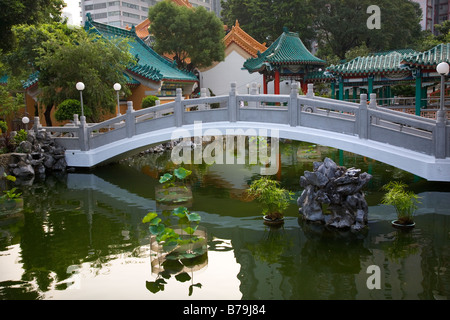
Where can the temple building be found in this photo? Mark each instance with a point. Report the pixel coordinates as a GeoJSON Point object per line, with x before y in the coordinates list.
{"type": "Point", "coordinates": [239, 46]}
{"type": "Point", "coordinates": [287, 60]}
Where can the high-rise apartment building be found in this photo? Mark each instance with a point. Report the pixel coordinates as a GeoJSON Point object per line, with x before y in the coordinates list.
{"type": "Point", "coordinates": [434, 12]}
{"type": "Point", "coordinates": [131, 12]}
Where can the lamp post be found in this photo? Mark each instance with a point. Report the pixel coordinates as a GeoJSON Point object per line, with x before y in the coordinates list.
{"type": "Point", "coordinates": [25, 121]}
{"type": "Point", "coordinates": [443, 69]}
{"type": "Point", "coordinates": [80, 87]}
{"type": "Point", "coordinates": [117, 87]}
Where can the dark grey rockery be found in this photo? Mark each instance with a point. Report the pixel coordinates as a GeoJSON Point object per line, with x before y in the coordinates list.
{"type": "Point", "coordinates": [36, 156]}
{"type": "Point", "coordinates": [337, 188]}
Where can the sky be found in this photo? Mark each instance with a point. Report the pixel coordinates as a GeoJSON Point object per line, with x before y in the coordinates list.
{"type": "Point", "coordinates": [73, 9]}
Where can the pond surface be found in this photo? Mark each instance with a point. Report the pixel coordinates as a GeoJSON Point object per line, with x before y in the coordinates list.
{"type": "Point", "coordinates": [81, 236]}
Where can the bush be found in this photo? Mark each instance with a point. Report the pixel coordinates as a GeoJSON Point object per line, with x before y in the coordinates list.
{"type": "Point", "coordinates": [149, 101]}
{"type": "Point", "coordinates": [68, 108]}
{"type": "Point", "coordinates": [21, 135]}
{"type": "Point", "coordinates": [3, 127]}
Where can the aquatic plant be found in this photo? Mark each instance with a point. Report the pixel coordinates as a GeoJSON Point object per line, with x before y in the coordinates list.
{"type": "Point", "coordinates": [169, 239]}
{"type": "Point", "coordinates": [405, 202]}
{"type": "Point", "coordinates": [273, 199]}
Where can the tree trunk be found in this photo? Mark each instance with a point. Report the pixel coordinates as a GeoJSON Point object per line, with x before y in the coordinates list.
{"type": "Point", "coordinates": [48, 118]}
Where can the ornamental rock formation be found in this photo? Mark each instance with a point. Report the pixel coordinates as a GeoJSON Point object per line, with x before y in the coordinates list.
{"type": "Point", "coordinates": [37, 156]}
{"type": "Point", "coordinates": [333, 195]}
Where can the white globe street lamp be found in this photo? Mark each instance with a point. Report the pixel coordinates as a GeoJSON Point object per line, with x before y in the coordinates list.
{"type": "Point", "coordinates": [80, 87]}
{"type": "Point", "coordinates": [25, 120]}
{"type": "Point", "coordinates": [117, 87]}
{"type": "Point", "coordinates": [443, 69]}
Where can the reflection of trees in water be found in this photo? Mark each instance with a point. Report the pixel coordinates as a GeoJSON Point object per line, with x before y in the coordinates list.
{"type": "Point", "coordinates": [63, 228]}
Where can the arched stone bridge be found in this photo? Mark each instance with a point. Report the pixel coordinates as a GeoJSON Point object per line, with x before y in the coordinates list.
{"type": "Point", "coordinates": [414, 144]}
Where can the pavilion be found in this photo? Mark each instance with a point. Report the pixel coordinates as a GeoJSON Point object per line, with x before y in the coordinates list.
{"type": "Point", "coordinates": [377, 72]}
{"type": "Point", "coordinates": [286, 59]}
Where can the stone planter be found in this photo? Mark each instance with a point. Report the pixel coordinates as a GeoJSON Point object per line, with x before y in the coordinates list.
{"type": "Point", "coordinates": [402, 226]}
{"type": "Point", "coordinates": [11, 204]}
{"type": "Point", "coordinates": [273, 223]}
{"type": "Point", "coordinates": [171, 197]}
{"type": "Point", "coordinates": [192, 255]}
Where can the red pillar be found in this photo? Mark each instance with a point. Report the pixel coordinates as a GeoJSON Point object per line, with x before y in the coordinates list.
{"type": "Point", "coordinates": [276, 85]}
{"type": "Point", "coordinates": [304, 86]}
{"type": "Point", "coordinates": [265, 83]}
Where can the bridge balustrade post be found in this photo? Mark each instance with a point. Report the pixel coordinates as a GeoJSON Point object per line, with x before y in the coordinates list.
{"type": "Point", "coordinates": [439, 135]}
{"type": "Point", "coordinates": [83, 134]}
{"type": "Point", "coordinates": [363, 118]}
{"type": "Point", "coordinates": [76, 123]}
{"type": "Point", "coordinates": [130, 121]}
{"type": "Point", "coordinates": [178, 109]}
{"type": "Point", "coordinates": [36, 125]}
{"type": "Point", "coordinates": [293, 105]}
{"type": "Point", "coordinates": [157, 114]}
{"type": "Point", "coordinates": [310, 93]}
{"type": "Point", "coordinates": [232, 104]}
{"type": "Point", "coordinates": [202, 106]}
{"type": "Point", "coordinates": [254, 92]}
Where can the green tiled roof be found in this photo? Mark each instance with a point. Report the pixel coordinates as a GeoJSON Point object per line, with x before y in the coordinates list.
{"type": "Point", "coordinates": [287, 49]}
{"type": "Point", "coordinates": [430, 58]}
{"type": "Point", "coordinates": [32, 80]}
{"type": "Point", "coordinates": [319, 75]}
{"type": "Point", "coordinates": [375, 63]}
{"type": "Point", "coordinates": [150, 65]}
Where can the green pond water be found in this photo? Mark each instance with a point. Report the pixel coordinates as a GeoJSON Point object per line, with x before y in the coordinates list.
{"type": "Point", "coordinates": [81, 236]}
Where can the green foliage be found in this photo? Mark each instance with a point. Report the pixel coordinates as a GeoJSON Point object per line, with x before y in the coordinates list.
{"type": "Point", "coordinates": [86, 57]}
{"type": "Point", "coordinates": [29, 12]}
{"type": "Point", "coordinates": [273, 199]}
{"type": "Point", "coordinates": [68, 108]}
{"type": "Point", "coordinates": [403, 90]}
{"type": "Point", "coordinates": [187, 33]}
{"type": "Point", "coordinates": [169, 179]}
{"type": "Point", "coordinates": [20, 136]}
{"type": "Point", "coordinates": [404, 202]}
{"type": "Point", "coordinates": [10, 195]}
{"type": "Point", "coordinates": [338, 25]}
{"type": "Point", "coordinates": [3, 127]}
{"type": "Point", "coordinates": [264, 20]}
{"type": "Point", "coordinates": [166, 236]}
{"type": "Point", "coordinates": [149, 101]}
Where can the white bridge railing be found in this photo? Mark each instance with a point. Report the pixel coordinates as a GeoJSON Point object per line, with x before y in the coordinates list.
{"type": "Point", "coordinates": [364, 120]}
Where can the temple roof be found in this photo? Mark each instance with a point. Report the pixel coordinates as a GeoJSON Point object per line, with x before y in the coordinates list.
{"type": "Point", "coordinates": [244, 40]}
{"type": "Point", "coordinates": [430, 58]}
{"type": "Point", "coordinates": [150, 65]}
{"type": "Point", "coordinates": [375, 63]}
{"type": "Point", "coordinates": [287, 49]}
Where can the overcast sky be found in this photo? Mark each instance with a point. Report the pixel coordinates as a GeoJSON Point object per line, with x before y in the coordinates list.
{"type": "Point", "coordinates": [73, 9]}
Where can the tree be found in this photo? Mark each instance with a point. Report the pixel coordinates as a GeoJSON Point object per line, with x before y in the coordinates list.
{"type": "Point", "coordinates": [16, 12]}
{"type": "Point", "coordinates": [193, 36]}
{"type": "Point", "coordinates": [342, 25]}
{"type": "Point", "coordinates": [87, 57]}
{"type": "Point", "coordinates": [264, 20]}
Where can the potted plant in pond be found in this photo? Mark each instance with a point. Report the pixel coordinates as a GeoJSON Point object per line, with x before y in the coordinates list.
{"type": "Point", "coordinates": [405, 203]}
{"type": "Point", "coordinates": [272, 197]}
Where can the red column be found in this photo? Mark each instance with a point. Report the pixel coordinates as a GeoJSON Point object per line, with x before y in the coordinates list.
{"type": "Point", "coordinates": [276, 85]}
{"type": "Point", "coordinates": [265, 83]}
{"type": "Point", "coordinates": [304, 86]}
